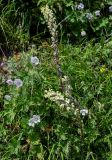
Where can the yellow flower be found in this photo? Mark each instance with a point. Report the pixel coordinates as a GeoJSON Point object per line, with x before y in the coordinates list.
{"type": "Point", "coordinates": [103, 69]}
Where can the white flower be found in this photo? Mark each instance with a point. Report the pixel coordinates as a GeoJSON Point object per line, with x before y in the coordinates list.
{"type": "Point", "coordinates": [9, 82]}
{"type": "Point", "coordinates": [80, 6]}
{"type": "Point", "coordinates": [83, 33]}
{"type": "Point", "coordinates": [34, 120]}
{"type": "Point", "coordinates": [18, 83]}
{"type": "Point", "coordinates": [84, 112]}
{"type": "Point", "coordinates": [97, 13]}
{"type": "Point", "coordinates": [34, 60]}
{"type": "Point", "coordinates": [33, 46]}
{"type": "Point", "coordinates": [31, 122]}
{"type": "Point", "coordinates": [89, 16]}
{"type": "Point", "coordinates": [7, 97]}
{"type": "Point", "coordinates": [110, 9]}
{"type": "Point", "coordinates": [68, 108]}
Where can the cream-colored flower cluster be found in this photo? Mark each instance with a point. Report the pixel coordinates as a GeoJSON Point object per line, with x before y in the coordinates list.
{"type": "Point", "coordinates": [52, 26]}
{"type": "Point", "coordinates": [51, 21]}
{"type": "Point", "coordinates": [59, 99]}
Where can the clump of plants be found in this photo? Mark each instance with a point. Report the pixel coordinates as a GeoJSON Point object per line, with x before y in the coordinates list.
{"type": "Point", "coordinates": [77, 21]}
{"type": "Point", "coordinates": [56, 101]}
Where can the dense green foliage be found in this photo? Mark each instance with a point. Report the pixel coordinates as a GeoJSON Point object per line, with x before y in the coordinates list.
{"type": "Point", "coordinates": [22, 21]}
{"type": "Point", "coordinates": [58, 133]}
{"type": "Point", "coordinates": [44, 116]}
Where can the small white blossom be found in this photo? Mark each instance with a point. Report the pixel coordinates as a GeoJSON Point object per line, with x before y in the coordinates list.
{"type": "Point", "coordinates": [110, 9]}
{"type": "Point", "coordinates": [89, 16]}
{"type": "Point", "coordinates": [7, 97]}
{"type": "Point", "coordinates": [84, 112]}
{"type": "Point", "coordinates": [18, 83]}
{"type": "Point", "coordinates": [83, 33]}
{"type": "Point", "coordinates": [31, 122]}
{"type": "Point", "coordinates": [33, 46]}
{"type": "Point", "coordinates": [34, 120]}
{"type": "Point", "coordinates": [68, 108]}
{"type": "Point", "coordinates": [80, 6]}
{"type": "Point", "coordinates": [34, 60]}
{"type": "Point", "coordinates": [9, 82]}
{"type": "Point", "coordinates": [97, 13]}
